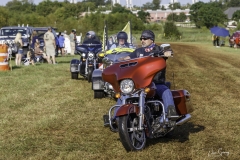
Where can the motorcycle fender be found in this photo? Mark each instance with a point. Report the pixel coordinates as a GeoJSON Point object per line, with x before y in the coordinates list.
{"type": "Point", "coordinates": [127, 109]}
{"type": "Point", "coordinates": [74, 65]}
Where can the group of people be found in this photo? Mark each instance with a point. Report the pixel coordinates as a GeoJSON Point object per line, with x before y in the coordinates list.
{"type": "Point", "coordinates": [49, 51]}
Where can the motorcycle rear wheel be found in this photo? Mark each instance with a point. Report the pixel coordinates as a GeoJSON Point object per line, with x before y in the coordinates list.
{"type": "Point", "coordinates": [74, 75]}
{"type": "Point", "coordinates": [98, 94]}
{"type": "Point", "coordinates": [131, 138]}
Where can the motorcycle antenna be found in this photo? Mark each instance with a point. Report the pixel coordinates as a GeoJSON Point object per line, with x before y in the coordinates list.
{"type": "Point", "coordinates": [173, 80]}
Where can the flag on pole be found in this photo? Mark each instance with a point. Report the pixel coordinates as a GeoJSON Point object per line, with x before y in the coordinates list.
{"type": "Point", "coordinates": [105, 38]}
{"type": "Point", "coordinates": [128, 30]}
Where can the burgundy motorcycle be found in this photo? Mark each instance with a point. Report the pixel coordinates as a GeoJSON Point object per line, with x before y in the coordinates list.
{"type": "Point", "coordinates": [141, 114]}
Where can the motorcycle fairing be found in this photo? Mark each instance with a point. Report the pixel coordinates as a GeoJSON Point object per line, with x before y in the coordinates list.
{"type": "Point", "coordinates": [140, 70]}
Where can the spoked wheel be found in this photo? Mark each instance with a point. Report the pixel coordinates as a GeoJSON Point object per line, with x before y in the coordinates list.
{"type": "Point", "coordinates": [89, 76]}
{"type": "Point", "coordinates": [131, 138]}
{"type": "Point", "coordinates": [74, 75]}
{"type": "Point", "coordinates": [98, 94]}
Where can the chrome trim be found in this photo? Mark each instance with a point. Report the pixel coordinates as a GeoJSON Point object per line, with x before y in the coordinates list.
{"type": "Point", "coordinates": [163, 109]}
{"type": "Point", "coordinates": [184, 120]}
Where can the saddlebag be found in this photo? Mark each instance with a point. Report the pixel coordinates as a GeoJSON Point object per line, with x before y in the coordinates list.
{"type": "Point", "coordinates": [182, 101]}
{"type": "Point", "coordinates": [97, 82]}
{"type": "Point", "coordinates": [74, 65]}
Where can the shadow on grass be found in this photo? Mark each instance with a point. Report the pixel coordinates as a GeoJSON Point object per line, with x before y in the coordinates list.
{"type": "Point", "coordinates": [180, 133]}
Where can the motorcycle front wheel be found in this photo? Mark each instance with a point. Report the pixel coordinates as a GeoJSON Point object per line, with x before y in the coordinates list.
{"type": "Point", "coordinates": [89, 76]}
{"type": "Point", "coordinates": [132, 139]}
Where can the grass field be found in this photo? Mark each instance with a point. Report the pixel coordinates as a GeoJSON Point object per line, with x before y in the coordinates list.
{"type": "Point", "coordinates": [46, 115]}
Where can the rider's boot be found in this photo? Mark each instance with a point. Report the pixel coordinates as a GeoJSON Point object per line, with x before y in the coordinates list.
{"type": "Point", "coordinates": [172, 113]}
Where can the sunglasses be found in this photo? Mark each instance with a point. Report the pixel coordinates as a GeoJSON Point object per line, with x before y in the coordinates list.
{"type": "Point", "coordinates": [144, 39]}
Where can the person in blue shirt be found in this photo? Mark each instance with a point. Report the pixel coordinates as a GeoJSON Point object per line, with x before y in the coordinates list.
{"type": "Point", "coordinates": [61, 40]}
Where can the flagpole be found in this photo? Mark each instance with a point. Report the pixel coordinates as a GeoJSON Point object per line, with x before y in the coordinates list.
{"type": "Point", "coordinates": [130, 31]}
{"type": "Point", "coordinates": [106, 34]}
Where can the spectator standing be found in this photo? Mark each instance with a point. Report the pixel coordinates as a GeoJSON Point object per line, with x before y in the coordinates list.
{"type": "Point", "coordinates": [61, 40]}
{"type": "Point", "coordinates": [18, 42]}
{"type": "Point", "coordinates": [214, 37]}
{"type": "Point", "coordinates": [50, 45]}
{"type": "Point", "coordinates": [72, 42]}
{"type": "Point", "coordinates": [34, 39]}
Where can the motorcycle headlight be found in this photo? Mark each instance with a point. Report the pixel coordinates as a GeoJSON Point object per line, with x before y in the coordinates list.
{"type": "Point", "coordinates": [83, 54]}
{"type": "Point", "coordinates": [126, 86]}
{"type": "Point", "coordinates": [90, 55]}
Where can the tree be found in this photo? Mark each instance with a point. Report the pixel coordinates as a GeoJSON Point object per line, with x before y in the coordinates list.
{"type": "Point", "coordinates": [211, 15]}
{"type": "Point", "coordinates": [4, 16]}
{"type": "Point", "coordinates": [119, 9]}
{"type": "Point", "coordinates": [172, 17]}
{"type": "Point", "coordinates": [236, 16]}
{"type": "Point", "coordinates": [234, 3]}
{"type": "Point", "coordinates": [148, 5]}
{"type": "Point", "coordinates": [97, 2]}
{"type": "Point", "coordinates": [156, 4]}
{"type": "Point", "coordinates": [163, 8]}
{"type": "Point", "coordinates": [194, 13]}
{"type": "Point", "coordinates": [171, 31]}
{"type": "Point", "coordinates": [175, 6]}
{"type": "Point", "coordinates": [182, 17]}
{"type": "Point", "coordinates": [144, 16]}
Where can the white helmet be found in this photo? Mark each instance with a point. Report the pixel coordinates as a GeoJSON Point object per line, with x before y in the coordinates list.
{"type": "Point", "coordinates": [91, 34]}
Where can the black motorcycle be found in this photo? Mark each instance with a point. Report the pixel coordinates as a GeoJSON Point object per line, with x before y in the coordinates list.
{"type": "Point", "coordinates": [88, 61]}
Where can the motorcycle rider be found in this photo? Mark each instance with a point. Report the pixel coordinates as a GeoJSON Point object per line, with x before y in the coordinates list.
{"type": "Point", "coordinates": [91, 38]}
{"type": "Point", "coordinates": [121, 41]}
{"type": "Point", "coordinates": [147, 40]}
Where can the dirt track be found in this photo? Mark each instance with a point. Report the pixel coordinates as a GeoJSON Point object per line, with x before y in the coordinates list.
{"type": "Point", "coordinates": [213, 80]}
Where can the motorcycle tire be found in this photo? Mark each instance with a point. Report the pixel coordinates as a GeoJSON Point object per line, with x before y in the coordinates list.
{"type": "Point", "coordinates": [89, 76]}
{"type": "Point", "coordinates": [132, 140]}
{"type": "Point", "coordinates": [74, 75]}
{"type": "Point", "coordinates": [98, 94]}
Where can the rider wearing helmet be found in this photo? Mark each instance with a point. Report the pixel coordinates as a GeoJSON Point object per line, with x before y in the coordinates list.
{"type": "Point", "coordinates": [91, 38]}
{"type": "Point", "coordinates": [122, 38]}
{"type": "Point", "coordinates": [147, 39]}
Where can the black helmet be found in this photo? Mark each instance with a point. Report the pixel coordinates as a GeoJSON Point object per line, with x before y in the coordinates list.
{"type": "Point", "coordinates": [91, 34]}
{"type": "Point", "coordinates": [148, 34]}
{"type": "Point", "coordinates": [122, 35]}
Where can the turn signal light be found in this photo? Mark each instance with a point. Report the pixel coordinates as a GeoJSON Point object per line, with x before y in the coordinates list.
{"type": "Point", "coordinates": [101, 54]}
{"type": "Point", "coordinates": [84, 59]}
{"type": "Point", "coordinates": [147, 90]}
{"type": "Point", "coordinates": [117, 95]}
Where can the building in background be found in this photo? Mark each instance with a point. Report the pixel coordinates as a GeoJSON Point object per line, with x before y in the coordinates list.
{"type": "Point", "coordinates": [73, 1]}
{"type": "Point", "coordinates": [195, 1]}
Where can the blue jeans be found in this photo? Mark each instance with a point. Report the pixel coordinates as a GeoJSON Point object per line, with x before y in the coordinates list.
{"type": "Point", "coordinates": [165, 94]}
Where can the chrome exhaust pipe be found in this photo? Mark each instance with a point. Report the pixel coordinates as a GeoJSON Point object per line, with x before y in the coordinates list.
{"type": "Point", "coordinates": [185, 119]}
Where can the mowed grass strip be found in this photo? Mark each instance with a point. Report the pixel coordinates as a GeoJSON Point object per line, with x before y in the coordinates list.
{"type": "Point", "coordinates": [46, 115]}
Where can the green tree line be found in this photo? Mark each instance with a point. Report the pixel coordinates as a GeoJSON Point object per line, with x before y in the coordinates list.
{"type": "Point", "coordinates": [68, 16]}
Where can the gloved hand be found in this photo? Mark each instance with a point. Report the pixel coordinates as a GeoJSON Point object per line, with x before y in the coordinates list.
{"type": "Point", "coordinates": [168, 53]}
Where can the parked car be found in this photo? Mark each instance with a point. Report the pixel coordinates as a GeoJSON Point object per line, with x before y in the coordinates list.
{"type": "Point", "coordinates": [40, 33]}
{"type": "Point", "coordinates": [8, 35]}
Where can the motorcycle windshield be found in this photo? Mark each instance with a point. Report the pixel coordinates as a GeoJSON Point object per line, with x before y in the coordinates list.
{"type": "Point", "coordinates": [114, 57]}
{"type": "Point", "coordinates": [85, 48]}
{"type": "Point", "coordinates": [140, 70]}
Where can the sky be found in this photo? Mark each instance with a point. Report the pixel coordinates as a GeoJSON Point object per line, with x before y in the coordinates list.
{"type": "Point", "coordinates": [123, 2]}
